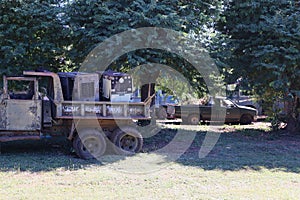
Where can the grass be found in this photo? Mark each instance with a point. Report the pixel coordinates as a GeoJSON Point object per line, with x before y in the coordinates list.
{"type": "Point", "coordinates": [246, 163]}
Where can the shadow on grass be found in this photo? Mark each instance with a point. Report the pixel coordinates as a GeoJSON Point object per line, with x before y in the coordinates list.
{"type": "Point", "coordinates": [245, 149]}
{"type": "Point", "coordinates": [41, 155]}
{"type": "Point", "coordinates": [248, 149]}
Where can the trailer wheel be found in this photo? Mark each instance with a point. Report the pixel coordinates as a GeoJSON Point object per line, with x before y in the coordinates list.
{"type": "Point", "coordinates": [193, 119]}
{"type": "Point", "coordinates": [127, 140]}
{"type": "Point", "coordinates": [90, 144]}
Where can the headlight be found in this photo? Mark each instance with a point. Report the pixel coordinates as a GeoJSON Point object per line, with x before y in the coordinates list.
{"type": "Point", "coordinates": [121, 80]}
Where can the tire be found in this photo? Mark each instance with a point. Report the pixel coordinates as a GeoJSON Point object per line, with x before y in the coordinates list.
{"type": "Point", "coordinates": [246, 119]}
{"type": "Point", "coordinates": [89, 143]}
{"type": "Point", "coordinates": [127, 141]}
{"type": "Point", "coordinates": [162, 113]}
{"type": "Point", "coordinates": [143, 122]}
{"type": "Point", "coordinates": [184, 120]}
{"type": "Point", "coordinates": [193, 119]}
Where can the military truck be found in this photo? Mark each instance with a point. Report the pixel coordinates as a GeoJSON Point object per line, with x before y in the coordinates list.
{"type": "Point", "coordinates": [75, 105]}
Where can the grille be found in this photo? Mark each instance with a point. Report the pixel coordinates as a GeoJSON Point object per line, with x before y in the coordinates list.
{"type": "Point", "coordinates": [87, 90]}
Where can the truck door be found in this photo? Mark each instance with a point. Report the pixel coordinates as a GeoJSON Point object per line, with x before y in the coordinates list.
{"type": "Point", "coordinates": [21, 110]}
{"type": "Point", "coordinates": [232, 112]}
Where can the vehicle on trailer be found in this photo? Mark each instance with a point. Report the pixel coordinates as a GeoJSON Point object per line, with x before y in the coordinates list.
{"type": "Point", "coordinates": [75, 105]}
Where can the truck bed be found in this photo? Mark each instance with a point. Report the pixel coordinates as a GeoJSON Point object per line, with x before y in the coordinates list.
{"type": "Point", "coordinates": [226, 110]}
{"type": "Point", "coordinates": [102, 110]}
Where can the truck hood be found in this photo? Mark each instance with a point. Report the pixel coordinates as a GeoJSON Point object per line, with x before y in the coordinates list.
{"type": "Point", "coordinates": [247, 108]}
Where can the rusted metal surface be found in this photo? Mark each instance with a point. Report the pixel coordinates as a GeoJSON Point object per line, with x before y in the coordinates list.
{"type": "Point", "coordinates": [20, 115]}
{"type": "Point", "coordinates": [105, 125]}
{"type": "Point", "coordinates": [30, 79]}
{"type": "Point", "coordinates": [2, 116]}
{"type": "Point", "coordinates": [93, 109]}
{"type": "Point", "coordinates": [47, 114]}
{"type": "Point", "coordinates": [79, 86]}
{"type": "Point", "coordinates": [58, 95]}
{"type": "Point", "coordinates": [14, 138]}
{"type": "Point", "coordinates": [106, 110]}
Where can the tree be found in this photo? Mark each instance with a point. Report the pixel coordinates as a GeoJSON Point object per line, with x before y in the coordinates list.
{"type": "Point", "coordinates": [93, 21]}
{"type": "Point", "coordinates": [58, 34]}
{"type": "Point", "coordinates": [265, 45]}
{"type": "Point", "coordinates": [32, 36]}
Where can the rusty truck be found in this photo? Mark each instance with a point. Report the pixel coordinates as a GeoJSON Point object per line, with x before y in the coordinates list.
{"type": "Point", "coordinates": [92, 110]}
{"type": "Point", "coordinates": [193, 114]}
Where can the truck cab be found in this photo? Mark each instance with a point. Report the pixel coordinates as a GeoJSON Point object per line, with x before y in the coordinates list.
{"type": "Point", "coordinates": [20, 108]}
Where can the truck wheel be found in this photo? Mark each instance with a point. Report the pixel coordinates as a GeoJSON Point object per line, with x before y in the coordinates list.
{"type": "Point", "coordinates": [193, 119]}
{"type": "Point", "coordinates": [144, 122]}
{"type": "Point", "coordinates": [127, 140]}
{"type": "Point", "coordinates": [184, 120]}
{"type": "Point", "coordinates": [162, 113]}
{"type": "Point", "coordinates": [246, 119]}
{"type": "Point", "coordinates": [90, 144]}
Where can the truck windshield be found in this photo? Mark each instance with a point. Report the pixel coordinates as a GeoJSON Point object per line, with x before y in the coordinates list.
{"type": "Point", "coordinates": [227, 103]}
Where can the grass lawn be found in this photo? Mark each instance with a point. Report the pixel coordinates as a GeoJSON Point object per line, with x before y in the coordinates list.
{"type": "Point", "coordinates": [246, 163]}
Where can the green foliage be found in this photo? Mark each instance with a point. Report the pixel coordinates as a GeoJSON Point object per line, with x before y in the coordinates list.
{"type": "Point", "coordinates": [93, 21]}
{"type": "Point", "coordinates": [58, 34]}
{"type": "Point", "coordinates": [31, 36]}
{"type": "Point", "coordinates": [265, 45]}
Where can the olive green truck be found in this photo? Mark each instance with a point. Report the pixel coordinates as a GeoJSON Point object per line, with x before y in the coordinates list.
{"type": "Point", "coordinates": [92, 110]}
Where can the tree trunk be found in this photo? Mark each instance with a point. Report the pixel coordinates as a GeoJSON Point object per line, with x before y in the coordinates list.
{"type": "Point", "coordinates": [293, 119]}
{"type": "Point", "coordinates": [293, 125]}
